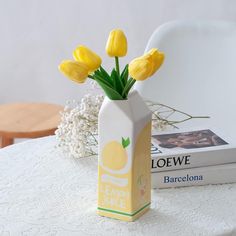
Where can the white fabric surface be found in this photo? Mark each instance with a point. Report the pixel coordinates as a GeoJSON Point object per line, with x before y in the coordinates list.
{"type": "Point", "coordinates": [44, 193]}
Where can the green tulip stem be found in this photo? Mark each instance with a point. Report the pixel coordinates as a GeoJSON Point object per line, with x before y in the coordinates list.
{"type": "Point", "coordinates": [117, 66]}
{"type": "Point", "coordinates": [128, 86]}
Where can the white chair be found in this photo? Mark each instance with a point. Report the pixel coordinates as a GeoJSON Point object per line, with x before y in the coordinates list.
{"type": "Point", "coordinates": [199, 72]}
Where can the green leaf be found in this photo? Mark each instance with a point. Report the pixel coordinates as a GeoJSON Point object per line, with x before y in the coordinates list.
{"type": "Point", "coordinates": [125, 74]}
{"type": "Point", "coordinates": [105, 75]}
{"type": "Point", "coordinates": [97, 72]}
{"type": "Point", "coordinates": [128, 86]}
{"type": "Point", "coordinates": [117, 82]}
{"type": "Point", "coordinates": [110, 92]}
{"type": "Point", "coordinates": [97, 76]}
{"type": "Point", "coordinates": [125, 142]}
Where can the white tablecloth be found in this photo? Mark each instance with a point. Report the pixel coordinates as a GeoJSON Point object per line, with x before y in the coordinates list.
{"type": "Point", "coordinates": [44, 193]}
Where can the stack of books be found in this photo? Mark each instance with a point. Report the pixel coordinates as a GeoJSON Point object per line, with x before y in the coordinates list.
{"type": "Point", "coordinates": [188, 158]}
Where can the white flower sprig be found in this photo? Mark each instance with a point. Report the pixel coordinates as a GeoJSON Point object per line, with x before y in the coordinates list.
{"type": "Point", "coordinates": [77, 132]}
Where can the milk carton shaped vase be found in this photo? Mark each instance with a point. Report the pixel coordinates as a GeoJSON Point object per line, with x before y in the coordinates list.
{"type": "Point", "coordinates": [124, 164]}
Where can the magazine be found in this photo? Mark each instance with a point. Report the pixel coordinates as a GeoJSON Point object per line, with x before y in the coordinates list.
{"type": "Point", "coordinates": [188, 149]}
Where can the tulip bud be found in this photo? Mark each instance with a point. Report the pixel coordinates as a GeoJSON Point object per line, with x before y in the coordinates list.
{"type": "Point", "coordinates": [116, 44]}
{"type": "Point", "coordinates": [145, 66]}
{"type": "Point", "coordinates": [88, 57]}
{"type": "Point", "coordinates": [156, 58]}
{"type": "Point", "coordinates": [76, 71]}
{"type": "Point", "coordinates": [140, 68]}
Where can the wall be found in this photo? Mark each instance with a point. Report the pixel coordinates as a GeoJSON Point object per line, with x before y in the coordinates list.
{"type": "Point", "coordinates": [37, 34]}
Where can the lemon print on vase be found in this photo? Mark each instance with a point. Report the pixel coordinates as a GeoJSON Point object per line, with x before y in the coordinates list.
{"type": "Point", "coordinates": [114, 155]}
{"type": "Point", "coordinates": [115, 161]}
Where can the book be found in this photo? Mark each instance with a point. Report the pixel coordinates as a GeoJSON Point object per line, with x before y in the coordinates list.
{"type": "Point", "coordinates": [189, 149]}
{"type": "Point", "coordinates": [218, 174]}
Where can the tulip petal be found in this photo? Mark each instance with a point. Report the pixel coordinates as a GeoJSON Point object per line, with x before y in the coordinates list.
{"type": "Point", "coordinates": [75, 71]}
{"type": "Point", "coordinates": [156, 58]}
{"type": "Point", "coordinates": [85, 55]}
{"type": "Point", "coordinates": [140, 68]}
{"type": "Point", "coordinates": [116, 44]}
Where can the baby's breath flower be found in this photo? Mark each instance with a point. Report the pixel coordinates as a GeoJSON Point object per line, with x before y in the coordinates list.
{"type": "Point", "coordinates": [78, 127]}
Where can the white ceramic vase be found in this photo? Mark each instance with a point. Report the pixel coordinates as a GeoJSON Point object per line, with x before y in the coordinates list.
{"type": "Point", "coordinates": [124, 165]}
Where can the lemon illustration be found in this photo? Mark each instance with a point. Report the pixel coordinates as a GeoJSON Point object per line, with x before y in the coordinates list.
{"type": "Point", "coordinates": [114, 155]}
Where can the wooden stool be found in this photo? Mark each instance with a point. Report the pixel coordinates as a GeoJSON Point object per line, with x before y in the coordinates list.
{"type": "Point", "coordinates": [27, 120]}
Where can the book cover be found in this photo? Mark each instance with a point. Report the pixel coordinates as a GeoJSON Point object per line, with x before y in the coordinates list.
{"type": "Point", "coordinates": [188, 149]}
{"type": "Point", "coordinates": [219, 174]}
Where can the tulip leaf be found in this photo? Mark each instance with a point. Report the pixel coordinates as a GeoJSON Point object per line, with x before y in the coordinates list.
{"type": "Point", "coordinates": [128, 86]}
{"type": "Point", "coordinates": [125, 74]}
{"type": "Point", "coordinates": [105, 75]}
{"type": "Point", "coordinates": [116, 81]}
{"type": "Point", "coordinates": [97, 72]}
{"type": "Point", "coordinates": [110, 92]}
{"type": "Point", "coordinates": [98, 76]}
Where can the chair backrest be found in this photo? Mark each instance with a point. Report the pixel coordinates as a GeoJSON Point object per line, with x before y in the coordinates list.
{"type": "Point", "coordinates": [199, 72]}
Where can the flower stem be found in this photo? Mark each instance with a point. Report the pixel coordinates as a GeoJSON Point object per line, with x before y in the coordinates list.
{"type": "Point", "coordinates": [117, 66]}
{"type": "Point", "coordinates": [128, 86]}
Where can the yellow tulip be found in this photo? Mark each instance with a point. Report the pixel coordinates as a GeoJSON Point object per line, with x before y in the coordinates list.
{"type": "Point", "coordinates": [88, 57]}
{"type": "Point", "coordinates": [156, 59]}
{"type": "Point", "coordinates": [76, 71]}
{"type": "Point", "coordinates": [140, 68]}
{"type": "Point", "coordinates": [145, 66]}
{"type": "Point", "coordinates": [116, 44]}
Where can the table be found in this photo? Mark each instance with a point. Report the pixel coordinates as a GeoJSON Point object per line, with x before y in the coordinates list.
{"type": "Point", "coordinates": [43, 192]}
{"type": "Point", "coordinates": [27, 120]}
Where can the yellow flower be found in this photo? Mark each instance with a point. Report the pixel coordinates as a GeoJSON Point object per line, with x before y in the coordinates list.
{"type": "Point", "coordinates": [156, 59]}
{"type": "Point", "coordinates": [139, 68]}
{"type": "Point", "coordinates": [88, 57]}
{"type": "Point", "coordinates": [116, 44]}
{"type": "Point", "coordinates": [76, 71]}
{"type": "Point", "coordinates": [145, 66]}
